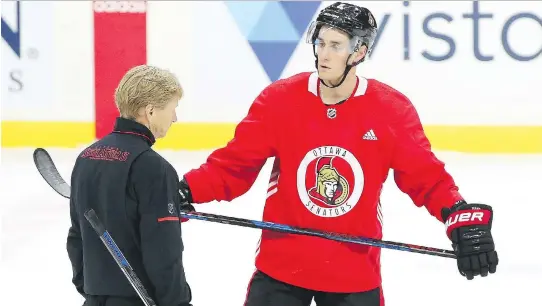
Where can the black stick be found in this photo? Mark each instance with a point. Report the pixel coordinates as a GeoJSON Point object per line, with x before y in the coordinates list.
{"type": "Point", "coordinates": [121, 261]}
{"type": "Point", "coordinates": [45, 165]}
{"type": "Point", "coordinates": [316, 233]}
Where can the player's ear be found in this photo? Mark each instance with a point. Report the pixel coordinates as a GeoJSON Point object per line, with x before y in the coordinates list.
{"type": "Point", "coordinates": [149, 109]}
{"type": "Point", "coordinates": [360, 54]}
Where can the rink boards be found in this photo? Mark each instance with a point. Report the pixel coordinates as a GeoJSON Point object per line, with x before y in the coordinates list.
{"type": "Point", "coordinates": [471, 69]}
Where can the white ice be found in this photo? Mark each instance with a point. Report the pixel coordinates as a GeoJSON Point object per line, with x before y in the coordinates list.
{"type": "Point", "coordinates": [219, 259]}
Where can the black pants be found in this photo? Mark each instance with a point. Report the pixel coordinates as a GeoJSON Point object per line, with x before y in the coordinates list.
{"type": "Point", "coordinates": [266, 291]}
{"type": "Point", "coordinates": [93, 300]}
{"type": "Point", "coordinates": [114, 301]}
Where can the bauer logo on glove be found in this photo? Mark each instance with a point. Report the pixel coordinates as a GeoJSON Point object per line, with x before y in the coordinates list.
{"type": "Point", "coordinates": [469, 228]}
{"type": "Point", "coordinates": [466, 218]}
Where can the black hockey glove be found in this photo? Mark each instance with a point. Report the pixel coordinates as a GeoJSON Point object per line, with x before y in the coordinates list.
{"type": "Point", "coordinates": [469, 228]}
{"type": "Point", "coordinates": [186, 199]}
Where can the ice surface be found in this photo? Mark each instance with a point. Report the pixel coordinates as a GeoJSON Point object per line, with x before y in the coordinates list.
{"type": "Point", "coordinates": [219, 259]}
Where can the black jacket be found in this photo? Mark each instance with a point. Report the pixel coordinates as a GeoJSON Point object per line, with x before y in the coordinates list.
{"type": "Point", "coordinates": [134, 191]}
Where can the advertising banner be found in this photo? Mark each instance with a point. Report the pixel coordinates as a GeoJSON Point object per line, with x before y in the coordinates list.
{"type": "Point", "coordinates": [27, 56]}
{"type": "Point", "coordinates": [450, 59]}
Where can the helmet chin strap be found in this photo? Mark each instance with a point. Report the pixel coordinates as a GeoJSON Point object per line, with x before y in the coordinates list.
{"type": "Point", "coordinates": [345, 73]}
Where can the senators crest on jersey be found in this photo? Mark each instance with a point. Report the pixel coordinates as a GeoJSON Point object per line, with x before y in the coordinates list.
{"type": "Point", "coordinates": [329, 181]}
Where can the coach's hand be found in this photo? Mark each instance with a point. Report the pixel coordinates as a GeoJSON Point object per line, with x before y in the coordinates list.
{"type": "Point", "coordinates": [469, 228]}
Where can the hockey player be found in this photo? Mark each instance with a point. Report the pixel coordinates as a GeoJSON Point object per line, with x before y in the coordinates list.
{"type": "Point", "coordinates": [334, 137]}
{"type": "Point", "coordinates": [134, 191]}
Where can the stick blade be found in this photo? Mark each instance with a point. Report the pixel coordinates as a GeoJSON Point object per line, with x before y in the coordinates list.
{"type": "Point", "coordinates": [46, 167]}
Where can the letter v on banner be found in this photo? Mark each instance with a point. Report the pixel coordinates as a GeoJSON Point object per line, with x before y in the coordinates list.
{"type": "Point", "coordinates": [120, 43]}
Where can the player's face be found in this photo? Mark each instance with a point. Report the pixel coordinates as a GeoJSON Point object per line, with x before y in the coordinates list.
{"type": "Point", "coordinates": [332, 48]}
{"type": "Point", "coordinates": [162, 118]}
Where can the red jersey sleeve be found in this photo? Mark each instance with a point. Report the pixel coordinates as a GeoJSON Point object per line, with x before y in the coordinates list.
{"type": "Point", "coordinates": [417, 171]}
{"type": "Point", "coordinates": [231, 171]}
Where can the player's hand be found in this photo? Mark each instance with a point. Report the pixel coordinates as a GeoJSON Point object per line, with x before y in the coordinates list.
{"type": "Point", "coordinates": [187, 207]}
{"type": "Point", "coordinates": [469, 228]}
{"type": "Point", "coordinates": [186, 199]}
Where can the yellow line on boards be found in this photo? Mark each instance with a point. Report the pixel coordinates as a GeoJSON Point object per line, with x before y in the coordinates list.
{"type": "Point", "coordinates": [206, 136]}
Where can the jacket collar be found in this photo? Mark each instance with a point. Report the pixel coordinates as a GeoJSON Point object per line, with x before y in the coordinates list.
{"type": "Point", "coordinates": [127, 126]}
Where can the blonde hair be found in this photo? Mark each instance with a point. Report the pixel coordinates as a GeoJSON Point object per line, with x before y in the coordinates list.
{"type": "Point", "coordinates": [145, 85]}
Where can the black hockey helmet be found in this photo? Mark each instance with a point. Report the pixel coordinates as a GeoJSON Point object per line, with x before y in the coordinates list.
{"type": "Point", "coordinates": [358, 22]}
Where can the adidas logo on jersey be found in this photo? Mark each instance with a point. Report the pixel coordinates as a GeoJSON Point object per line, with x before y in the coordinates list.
{"type": "Point", "coordinates": [370, 135]}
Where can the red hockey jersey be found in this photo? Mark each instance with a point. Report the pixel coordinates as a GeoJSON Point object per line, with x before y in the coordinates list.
{"type": "Point", "coordinates": [330, 165]}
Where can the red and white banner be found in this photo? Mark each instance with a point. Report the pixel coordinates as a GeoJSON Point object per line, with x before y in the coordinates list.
{"type": "Point", "coordinates": [120, 43]}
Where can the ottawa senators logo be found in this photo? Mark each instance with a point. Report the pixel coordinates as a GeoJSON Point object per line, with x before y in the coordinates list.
{"type": "Point", "coordinates": [329, 181]}
{"type": "Point", "coordinates": [331, 188]}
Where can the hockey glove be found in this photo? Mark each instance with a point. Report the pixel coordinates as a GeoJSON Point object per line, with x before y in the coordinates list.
{"type": "Point", "coordinates": [469, 228]}
{"type": "Point", "coordinates": [186, 199]}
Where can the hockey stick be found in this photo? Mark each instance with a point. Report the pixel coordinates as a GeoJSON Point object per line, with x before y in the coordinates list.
{"type": "Point", "coordinates": [122, 262]}
{"type": "Point", "coordinates": [49, 172]}
{"type": "Point", "coordinates": [326, 235]}
{"type": "Point", "coordinates": [54, 179]}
